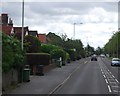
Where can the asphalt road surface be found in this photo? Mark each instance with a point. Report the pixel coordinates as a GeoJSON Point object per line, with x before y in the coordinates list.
{"type": "Point", "coordinates": [79, 77]}
{"type": "Point", "coordinates": [91, 77]}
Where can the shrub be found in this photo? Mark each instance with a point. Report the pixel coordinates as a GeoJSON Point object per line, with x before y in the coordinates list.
{"type": "Point", "coordinates": [34, 44]}
{"type": "Point", "coordinates": [38, 58]}
{"type": "Point", "coordinates": [72, 54]}
{"type": "Point", "coordinates": [57, 53]}
{"type": "Point", "coordinates": [12, 55]}
{"type": "Point", "coordinates": [47, 48]}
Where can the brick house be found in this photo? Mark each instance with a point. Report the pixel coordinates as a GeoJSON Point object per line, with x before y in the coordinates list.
{"type": "Point", "coordinates": [42, 38]}
{"type": "Point", "coordinates": [33, 33]}
{"type": "Point", "coordinates": [7, 26]}
{"type": "Point", "coordinates": [17, 31]}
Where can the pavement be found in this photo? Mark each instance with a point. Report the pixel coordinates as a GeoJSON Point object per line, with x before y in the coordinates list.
{"type": "Point", "coordinates": [49, 82]}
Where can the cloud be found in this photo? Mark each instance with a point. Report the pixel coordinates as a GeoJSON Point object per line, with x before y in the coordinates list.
{"type": "Point", "coordinates": [98, 18]}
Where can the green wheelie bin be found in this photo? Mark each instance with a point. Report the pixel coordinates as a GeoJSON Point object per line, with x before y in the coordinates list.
{"type": "Point", "coordinates": [26, 75]}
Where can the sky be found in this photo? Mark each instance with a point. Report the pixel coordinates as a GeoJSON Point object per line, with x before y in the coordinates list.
{"type": "Point", "coordinates": [99, 19]}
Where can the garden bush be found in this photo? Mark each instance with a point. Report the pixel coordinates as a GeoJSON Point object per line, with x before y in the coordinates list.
{"type": "Point", "coordinates": [72, 54]}
{"type": "Point", "coordinates": [57, 53]}
{"type": "Point", "coordinates": [47, 48]}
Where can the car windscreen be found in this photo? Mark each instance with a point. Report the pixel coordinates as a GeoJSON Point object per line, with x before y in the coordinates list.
{"type": "Point", "coordinates": [115, 60]}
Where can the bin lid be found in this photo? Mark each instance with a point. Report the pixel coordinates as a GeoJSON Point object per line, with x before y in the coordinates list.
{"type": "Point", "coordinates": [26, 69]}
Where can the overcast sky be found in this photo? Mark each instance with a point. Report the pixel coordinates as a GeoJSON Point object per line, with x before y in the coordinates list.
{"type": "Point", "coordinates": [99, 19]}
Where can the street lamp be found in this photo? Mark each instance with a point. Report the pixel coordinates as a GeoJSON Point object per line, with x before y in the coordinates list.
{"type": "Point", "coordinates": [22, 22]}
{"type": "Point", "coordinates": [113, 43]}
{"type": "Point", "coordinates": [74, 29]}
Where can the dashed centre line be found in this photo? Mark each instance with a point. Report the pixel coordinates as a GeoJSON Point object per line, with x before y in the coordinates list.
{"type": "Point", "coordinates": [113, 76]}
{"type": "Point", "coordinates": [104, 76]}
{"type": "Point", "coordinates": [116, 80]}
{"type": "Point", "coordinates": [109, 89]}
{"type": "Point", "coordinates": [106, 81]}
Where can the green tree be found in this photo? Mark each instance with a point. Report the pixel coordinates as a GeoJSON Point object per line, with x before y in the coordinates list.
{"type": "Point", "coordinates": [112, 47]}
{"type": "Point", "coordinates": [47, 48]}
{"type": "Point", "coordinates": [12, 55]}
{"type": "Point", "coordinates": [54, 39]}
{"type": "Point", "coordinates": [57, 53]}
{"type": "Point", "coordinates": [34, 44]}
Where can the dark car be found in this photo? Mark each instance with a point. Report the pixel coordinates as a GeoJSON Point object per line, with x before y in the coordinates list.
{"type": "Point", "coordinates": [93, 58]}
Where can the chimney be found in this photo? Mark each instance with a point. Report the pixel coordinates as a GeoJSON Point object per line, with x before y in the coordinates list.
{"type": "Point", "coordinates": [10, 22]}
{"type": "Point", "coordinates": [4, 19]}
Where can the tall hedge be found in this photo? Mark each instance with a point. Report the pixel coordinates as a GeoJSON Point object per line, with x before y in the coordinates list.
{"type": "Point", "coordinates": [38, 58]}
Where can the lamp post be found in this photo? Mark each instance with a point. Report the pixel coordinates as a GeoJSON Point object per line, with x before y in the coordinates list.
{"type": "Point", "coordinates": [74, 29]}
{"type": "Point", "coordinates": [22, 23]}
{"type": "Point", "coordinates": [113, 44]}
{"type": "Point", "coordinates": [117, 44]}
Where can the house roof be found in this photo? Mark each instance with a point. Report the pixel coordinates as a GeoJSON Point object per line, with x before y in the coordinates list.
{"type": "Point", "coordinates": [19, 29]}
{"type": "Point", "coordinates": [7, 29]}
{"type": "Point", "coordinates": [42, 38]}
{"type": "Point", "coordinates": [33, 33]}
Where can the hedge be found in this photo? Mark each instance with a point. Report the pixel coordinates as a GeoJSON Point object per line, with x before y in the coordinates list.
{"type": "Point", "coordinates": [38, 58]}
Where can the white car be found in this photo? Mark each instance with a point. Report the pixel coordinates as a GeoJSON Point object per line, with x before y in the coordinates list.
{"type": "Point", "coordinates": [115, 62]}
{"type": "Point", "coordinates": [102, 55]}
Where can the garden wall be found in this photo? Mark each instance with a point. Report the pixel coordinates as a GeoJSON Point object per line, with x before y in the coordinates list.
{"type": "Point", "coordinates": [9, 78]}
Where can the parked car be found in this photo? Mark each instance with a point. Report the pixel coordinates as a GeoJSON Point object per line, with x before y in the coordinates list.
{"type": "Point", "coordinates": [93, 58]}
{"type": "Point", "coordinates": [102, 55]}
{"type": "Point", "coordinates": [115, 62]}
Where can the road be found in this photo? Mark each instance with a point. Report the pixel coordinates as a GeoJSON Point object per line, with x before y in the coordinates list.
{"type": "Point", "coordinates": [79, 77]}
{"type": "Point", "coordinates": [92, 77]}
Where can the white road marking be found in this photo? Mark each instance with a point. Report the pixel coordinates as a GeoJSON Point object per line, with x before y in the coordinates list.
{"type": "Point", "coordinates": [104, 76]}
{"type": "Point", "coordinates": [113, 82]}
{"type": "Point", "coordinates": [115, 86]}
{"type": "Point", "coordinates": [109, 88]}
{"type": "Point", "coordinates": [102, 72]}
{"type": "Point", "coordinates": [85, 62]}
{"type": "Point", "coordinates": [110, 73]}
{"type": "Point", "coordinates": [116, 80]}
{"type": "Point", "coordinates": [113, 76]}
{"type": "Point", "coordinates": [116, 91]}
{"type": "Point", "coordinates": [64, 81]}
{"type": "Point", "coordinates": [106, 81]}
{"type": "Point", "coordinates": [109, 77]}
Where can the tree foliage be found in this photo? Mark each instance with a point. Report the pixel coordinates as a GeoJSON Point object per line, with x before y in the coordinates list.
{"type": "Point", "coordinates": [12, 55]}
{"type": "Point", "coordinates": [89, 50]}
{"type": "Point", "coordinates": [112, 47]}
{"type": "Point", "coordinates": [54, 39]}
{"type": "Point", "coordinates": [33, 43]}
{"type": "Point", "coordinates": [66, 43]}
{"type": "Point", "coordinates": [47, 48]}
{"type": "Point", "coordinates": [57, 53]}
